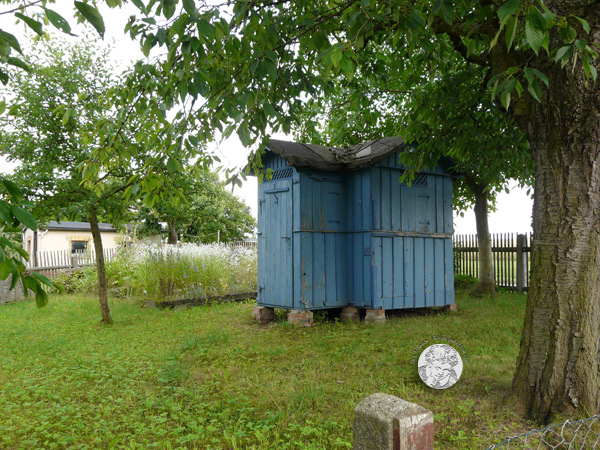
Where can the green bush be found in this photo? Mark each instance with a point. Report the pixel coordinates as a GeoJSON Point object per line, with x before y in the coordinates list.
{"type": "Point", "coordinates": [71, 282]}
{"type": "Point", "coordinates": [464, 282]}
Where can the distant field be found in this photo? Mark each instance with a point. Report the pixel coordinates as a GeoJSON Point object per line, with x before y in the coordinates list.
{"type": "Point", "coordinates": [211, 378]}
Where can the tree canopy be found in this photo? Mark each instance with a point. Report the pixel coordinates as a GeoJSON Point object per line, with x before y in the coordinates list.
{"type": "Point", "coordinates": [250, 67]}
{"type": "Point", "coordinates": [208, 213]}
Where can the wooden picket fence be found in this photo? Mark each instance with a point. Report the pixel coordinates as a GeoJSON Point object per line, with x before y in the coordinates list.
{"type": "Point", "coordinates": [510, 253]}
{"type": "Point", "coordinates": [52, 264]}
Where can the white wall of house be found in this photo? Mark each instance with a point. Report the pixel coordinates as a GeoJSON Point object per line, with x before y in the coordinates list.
{"type": "Point", "coordinates": [61, 240]}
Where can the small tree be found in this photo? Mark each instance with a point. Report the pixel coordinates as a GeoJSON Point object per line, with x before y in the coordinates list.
{"type": "Point", "coordinates": [55, 109]}
{"type": "Point", "coordinates": [207, 211]}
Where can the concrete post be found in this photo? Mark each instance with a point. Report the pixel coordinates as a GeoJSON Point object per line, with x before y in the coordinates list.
{"type": "Point", "coordinates": [385, 422]}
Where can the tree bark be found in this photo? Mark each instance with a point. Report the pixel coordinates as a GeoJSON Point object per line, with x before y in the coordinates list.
{"type": "Point", "coordinates": [172, 232]}
{"type": "Point", "coordinates": [486, 284]}
{"type": "Point", "coordinates": [559, 359]}
{"type": "Point", "coordinates": [101, 268]}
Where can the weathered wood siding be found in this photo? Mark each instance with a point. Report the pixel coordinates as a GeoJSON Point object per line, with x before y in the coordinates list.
{"type": "Point", "coordinates": [362, 238]}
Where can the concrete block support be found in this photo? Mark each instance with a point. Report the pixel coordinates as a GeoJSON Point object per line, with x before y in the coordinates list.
{"type": "Point", "coordinates": [375, 316]}
{"type": "Point", "coordinates": [349, 314]}
{"type": "Point", "coordinates": [263, 314]}
{"type": "Point", "coordinates": [300, 318]}
{"type": "Point", "coordinates": [452, 307]}
{"type": "Point", "coordinates": [385, 422]}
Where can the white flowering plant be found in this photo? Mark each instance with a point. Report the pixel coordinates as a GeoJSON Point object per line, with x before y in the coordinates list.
{"type": "Point", "coordinates": [184, 271]}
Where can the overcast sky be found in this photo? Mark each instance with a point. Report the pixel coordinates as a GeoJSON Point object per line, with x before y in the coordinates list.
{"type": "Point", "coordinates": [514, 209]}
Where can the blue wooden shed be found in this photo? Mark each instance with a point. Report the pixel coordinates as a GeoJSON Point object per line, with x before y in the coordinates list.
{"type": "Point", "coordinates": [336, 228]}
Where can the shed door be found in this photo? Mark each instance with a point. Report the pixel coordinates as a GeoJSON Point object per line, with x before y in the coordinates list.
{"type": "Point", "coordinates": [276, 215]}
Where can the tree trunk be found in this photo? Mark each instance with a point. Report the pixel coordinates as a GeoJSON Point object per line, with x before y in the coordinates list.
{"type": "Point", "coordinates": [100, 267]}
{"type": "Point", "coordinates": [172, 232]}
{"type": "Point", "coordinates": [559, 359]}
{"type": "Point", "coordinates": [486, 284]}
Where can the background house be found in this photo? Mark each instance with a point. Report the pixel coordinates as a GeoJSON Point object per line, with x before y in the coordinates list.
{"type": "Point", "coordinates": [67, 236]}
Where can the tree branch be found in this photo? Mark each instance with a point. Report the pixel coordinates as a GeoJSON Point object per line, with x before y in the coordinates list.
{"type": "Point", "coordinates": [455, 33]}
{"type": "Point", "coordinates": [20, 8]}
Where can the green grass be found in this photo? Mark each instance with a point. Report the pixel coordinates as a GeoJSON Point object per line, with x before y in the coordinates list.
{"type": "Point", "coordinates": [211, 378]}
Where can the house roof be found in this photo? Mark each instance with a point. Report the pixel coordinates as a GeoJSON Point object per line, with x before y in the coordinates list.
{"type": "Point", "coordinates": [335, 158]}
{"type": "Point", "coordinates": [76, 226]}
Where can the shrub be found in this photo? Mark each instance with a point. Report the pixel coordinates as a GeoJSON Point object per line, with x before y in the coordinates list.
{"type": "Point", "coordinates": [464, 282]}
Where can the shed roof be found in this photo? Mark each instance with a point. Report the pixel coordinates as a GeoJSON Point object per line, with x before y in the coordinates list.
{"type": "Point", "coordinates": [335, 158]}
{"type": "Point", "coordinates": [76, 226]}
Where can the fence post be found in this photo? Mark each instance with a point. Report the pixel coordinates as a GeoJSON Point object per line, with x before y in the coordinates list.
{"type": "Point", "coordinates": [385, 422]}
{"type": "Point", "coordinates": [521, 263]}
{"type": "Point", "coordinates": [74, 260]}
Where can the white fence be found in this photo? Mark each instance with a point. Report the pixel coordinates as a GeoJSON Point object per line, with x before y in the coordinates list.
{"type": "Point", "coordinates": [51, 264]}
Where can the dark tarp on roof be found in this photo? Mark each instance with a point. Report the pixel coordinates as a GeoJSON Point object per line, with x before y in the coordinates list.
{"type": "Point", "coordinates": [76, 226]}
{"type": "Point", "coordinates": [333, 158]}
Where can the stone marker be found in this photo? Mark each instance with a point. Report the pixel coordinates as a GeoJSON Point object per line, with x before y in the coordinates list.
{"type": "Point", "coordinates": [385, 422]}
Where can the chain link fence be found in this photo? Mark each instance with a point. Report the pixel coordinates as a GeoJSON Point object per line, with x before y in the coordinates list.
{"type": "Point", "coordinates": [570, 435]}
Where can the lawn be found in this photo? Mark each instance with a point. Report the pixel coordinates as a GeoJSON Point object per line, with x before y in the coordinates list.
{"type": "Point", "coordinates": [211, 378]}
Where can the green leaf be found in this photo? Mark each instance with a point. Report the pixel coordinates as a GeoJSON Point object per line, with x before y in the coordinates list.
{"type": "Point", "coordinates": [509, 8]}
{"type": "Point", "coordinates": [3, 77]}
{"type": "Point", "coordinates": [23, 253]}
{"type": "Point", "coordinates": [24, 217]}
{"type": "Point", "coordinates": [448, 11]}
{"type": "Point", "coordinates": [336, 56]}
{"type": "Point", "coordinates": [535, 36]}
{"type": "Point", "coordinates": [511, 31]}
{"type": "Point", "coordinates": [505, 99]}
{"type": "Point", "coordinates": [590, 70]}
{"type": "Point", "coordinates": [10, 40]}
{"type": "Point", "coordinates": [5, 213]}
{"type": "Point", "coordinates": [2, 256]}
{"type": "Point", "coordinates": [6, 269]}
{"type": "Point", "coordinates": [534, 88]}
{"type": "Point", "coordinates": [519, 88]}
{"type": "Point", "coordinates": [31, 23]}
{"type": "Point", "coordinates": [244, 135]}
{"type": "Point", "coordinates": [564, 53]}
{"type": "Point", "coordinates": [206, 28]}
{"type": "Point", "coordinates": [584, 23]}
{"type": "Point", "coordinates": [47, 281]}
{"type": "Point", "coordinates": [92, 15]}
{"type": "Point", "coordinates": [581, 44]}
{"type": "Point", "coordinates": [189, 6]}
{"type": "Point", "coordinates": [13, 189]}
{"type": "Point", "coordinates": [57, 20]}
{"type": "Point", "coordinates": [169, 8]}
{"type": "Point", "coordinates": [542, 77]}
{"type": "Point", "coordinates": [2, 106]}
{"type": "Point", "coordinates": [41, 297]}
{"type": "Point", "coordinates": [66, 115]}
{"type": "Point", "coordinates": [509, 85]}
{"type": "Point", "coordinates": [270, 110]}
{"type": "Point", "coordinates": [567, 34]}
{"type": "Point", "coordinates": [18, 63]}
